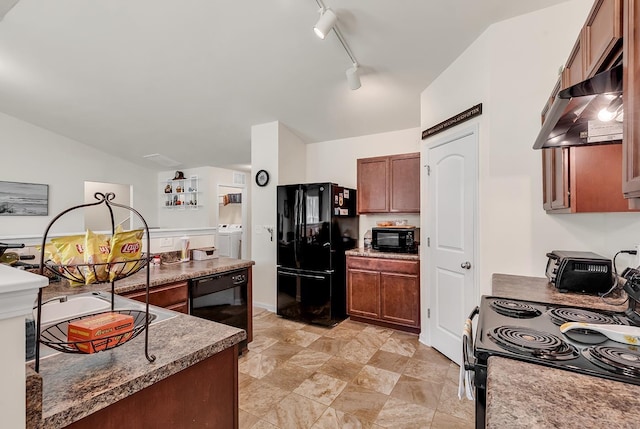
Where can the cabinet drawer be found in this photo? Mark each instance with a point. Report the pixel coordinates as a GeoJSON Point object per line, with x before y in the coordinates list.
{"type": "Point", "coordinates": [167, 296]}
{"type": "Point", "coordinates": [383, 265]}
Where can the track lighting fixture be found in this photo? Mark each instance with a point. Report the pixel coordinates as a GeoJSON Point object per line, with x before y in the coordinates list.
{"type": "Point", "coordinates": [353, 78]}
{"type": "Point", "coordinates": [326, 23]}
{"type": "Point", "coordinates": [329, 21]}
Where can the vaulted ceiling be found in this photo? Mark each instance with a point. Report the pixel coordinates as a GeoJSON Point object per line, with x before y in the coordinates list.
{"type": "Point", "coordinates": [189, 78]}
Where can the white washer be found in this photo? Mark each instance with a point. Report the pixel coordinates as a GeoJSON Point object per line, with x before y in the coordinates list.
{"type": "Point", "coordinates": [229, 240]}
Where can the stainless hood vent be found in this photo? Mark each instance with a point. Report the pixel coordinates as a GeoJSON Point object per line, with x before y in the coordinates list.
{"type": "Point", "coordinates": [567, 121]}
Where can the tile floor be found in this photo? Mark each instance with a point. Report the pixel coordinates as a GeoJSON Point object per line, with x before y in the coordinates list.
{"type": "Point", "coordinates": [354, 375]}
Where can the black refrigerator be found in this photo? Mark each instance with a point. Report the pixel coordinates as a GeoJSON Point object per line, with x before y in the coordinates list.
{"type": "Point", "coordinates": [317, 222]}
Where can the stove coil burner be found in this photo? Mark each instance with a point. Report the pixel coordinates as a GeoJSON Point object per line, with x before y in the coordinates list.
{"type": "Point", "coordinates": [515, 309]}
{"type": "Point", "coordinates": [563, 315]}
{"type": "Point", "coordinates": [533, 343]}
{"type": "Point", "coordinates": [615, 359]}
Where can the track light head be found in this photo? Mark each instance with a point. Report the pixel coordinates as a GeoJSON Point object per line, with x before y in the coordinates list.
{"type": "Point", "coordinates": [353, 78]}
{"type": "Point", "coordinates": [326, 22]}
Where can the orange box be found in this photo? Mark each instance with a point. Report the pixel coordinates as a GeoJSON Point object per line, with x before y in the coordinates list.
{"type": "Point", "coordinates": [96, 330]}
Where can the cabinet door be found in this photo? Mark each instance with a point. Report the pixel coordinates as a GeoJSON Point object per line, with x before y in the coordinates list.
{"type": "Point", "coordinates": [400, 298]}
{"type": "Point", "coordinates": [172, 296]}
{"type": "Point", "coordinates": [602, 32]}
{"type": "Point", "coordinates": [363, 293]}
{"type": "Point", "coordinates": [405, 183]}
{"type": "Point", "coordinates": [631, 99]}
{"type": "Point", "coordinates": [574, 69]}
{"type": "Point", "coordinates": [560, 179]}
{"type": "Point", "coordinates": [373, 185]}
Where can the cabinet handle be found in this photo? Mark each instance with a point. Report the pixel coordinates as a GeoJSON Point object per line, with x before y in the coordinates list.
{"type": "Point", "coordinates": [466, 265]}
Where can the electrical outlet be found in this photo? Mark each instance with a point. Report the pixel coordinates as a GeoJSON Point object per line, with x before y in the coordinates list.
{"type": "Point", "coordinates": [166, 242]}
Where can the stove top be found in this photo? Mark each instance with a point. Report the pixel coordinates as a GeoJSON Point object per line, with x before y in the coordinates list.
{"type": "Point", "coordinates": [530, 331]}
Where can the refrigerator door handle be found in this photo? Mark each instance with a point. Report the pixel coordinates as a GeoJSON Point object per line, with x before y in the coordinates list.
{"type": "Point", "coordinates": [306, 276]}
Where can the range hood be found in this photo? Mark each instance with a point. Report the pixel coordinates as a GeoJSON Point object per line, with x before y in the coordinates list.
{"type": "Point", "coordinates": [567, 122]}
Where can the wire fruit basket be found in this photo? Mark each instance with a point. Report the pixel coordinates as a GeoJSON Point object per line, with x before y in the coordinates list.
{"type": "Point", "coordinates": [56, 336]}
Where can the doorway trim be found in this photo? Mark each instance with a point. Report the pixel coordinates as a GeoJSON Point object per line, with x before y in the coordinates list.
{"type": "Point", "coordinates": [426, 224]}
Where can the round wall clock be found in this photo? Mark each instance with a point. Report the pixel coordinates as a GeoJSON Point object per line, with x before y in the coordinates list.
{"type": "Point", "coordinates": [262, 178]}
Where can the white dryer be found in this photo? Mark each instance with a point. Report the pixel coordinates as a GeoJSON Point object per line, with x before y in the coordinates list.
{"type": "Point", "coordinates": [229, 241]}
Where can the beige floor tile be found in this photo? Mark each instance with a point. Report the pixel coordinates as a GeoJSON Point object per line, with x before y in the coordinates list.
{"type": "Point", "coordinates": [419, 392]}
{"type": "Point", "coordinates": [328, 345]}
{"type": "Point", "coordinates": [259, 397]}
{"type": "Point", "coordinates": [425, 370]}
{"type": "Point", "coordinates": [334, 419]}
{"type": "Point", "coordinates": [377, 379]}
{"type": "Point", "coordinates": [295, 411]}
{"type": "Point", "coordinates": [321, 388]}
{"type": "Point", "coordinates": [398, 346]}
{"type": "Point", "coordinates": [450, 404]}
{"type": "Point", "coordinates": [353, 375]}
{"type": "Point", "coordinates": [263, 424]}
{"type": "Point", "coordinates": [309, 359]}
{"type": "Point", "coordinates": [257, 365]}
{"type": "Point", "coordinates": [340, 368]}
{"type": "Point", "coordinates": [288, 376]}
{"type": "Point", "coordinates": [356, 351]}
{"type": "Point", "coordinates": [301, 338]}
{"type": "Point", "coordinates": [260, 343]}
{"type": "Point", "coordinates": [389, 361]}
{"type": "Point", "coordinates": [246, 420]}
{"type": "Point", "coordinates": [362, 403]}
{"type": "Point", "coordinates": [445, 421]}
{"type": "Point", "coordinates": [399, 414]}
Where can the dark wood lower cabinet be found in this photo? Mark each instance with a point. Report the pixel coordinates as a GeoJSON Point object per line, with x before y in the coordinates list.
{"type": "Point", "coordinates": [384, 292]}
{"type": "Point", "coordinates": [204, 395]}
{"type": "Point", "coordinates": [173, 296]}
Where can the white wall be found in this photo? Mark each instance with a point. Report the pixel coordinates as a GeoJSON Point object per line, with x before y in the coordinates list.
{"type": "Point", "coordinates": [35, 155]}
{"type": "Point", "coordinates": [336, 161]}
{"type": "Point", "coordinates": [522, 56]}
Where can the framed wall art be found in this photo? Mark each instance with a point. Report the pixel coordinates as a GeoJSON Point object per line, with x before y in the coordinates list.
{"type": "Point", "coordinates": [24, 199]}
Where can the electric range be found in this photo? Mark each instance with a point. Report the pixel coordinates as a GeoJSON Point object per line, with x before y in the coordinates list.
{"type": "Point", "coordinates": [530, 331]}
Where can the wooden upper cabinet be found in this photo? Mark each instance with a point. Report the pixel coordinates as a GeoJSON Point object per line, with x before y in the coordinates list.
{"type": "Point", "coordinates": [373, 185]}
{"type": "Point", "coordinates": [574, 69]}
{"type": "Point", "coordinates": [631, 101]}
{"type": "Point", "coordinates": [405, 183]}
{"type": "Point", "coordinates": [389, 184]}
{"type": "Point", "coordinates": [601, 34]}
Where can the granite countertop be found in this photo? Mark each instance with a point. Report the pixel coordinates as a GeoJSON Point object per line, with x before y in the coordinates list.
{"type": "Point", "coordinates": [525, 395]}
{"type": "Point", "coordinates": [367, 253]}
{"type": "Point", "coordinates": [100, 379]}
{"type": "Point", "coordinates": [76, 385]}
{"type": "Point", "coordinates": [158, 275]}
{"type": "Point", "coordinates": [539, 289]}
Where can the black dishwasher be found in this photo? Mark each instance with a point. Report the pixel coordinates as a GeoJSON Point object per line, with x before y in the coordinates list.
{"type": "Point", "coordinates": [221, 298]}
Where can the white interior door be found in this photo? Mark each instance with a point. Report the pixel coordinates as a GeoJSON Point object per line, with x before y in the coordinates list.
{"type": "Point", "coordinates": [450, 257]}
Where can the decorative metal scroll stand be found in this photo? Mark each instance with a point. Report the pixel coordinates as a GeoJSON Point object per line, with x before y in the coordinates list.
{"type": "Point", "coordinates": [135, 265]}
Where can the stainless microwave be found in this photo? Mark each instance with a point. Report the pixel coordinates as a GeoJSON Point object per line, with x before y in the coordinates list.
{"type": "Point", "coordinates": [397, 240]}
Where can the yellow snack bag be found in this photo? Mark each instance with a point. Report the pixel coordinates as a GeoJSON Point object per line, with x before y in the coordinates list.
{"type": "Point", "coordinates": [50, 253]}
{"type": "Point", "coordinates": [96, 255]}
{"type": "Point", "coordinates": [71, 253]}
{"type": "Point", "coordinates": [125, 246]}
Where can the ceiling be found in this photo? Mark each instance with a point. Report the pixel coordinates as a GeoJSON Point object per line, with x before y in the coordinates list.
{"type": "Point", "coordinates": [188, 79]}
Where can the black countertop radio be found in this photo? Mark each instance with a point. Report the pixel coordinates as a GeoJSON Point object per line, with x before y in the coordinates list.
{"type": "Point", "coordinates": [584, 272]}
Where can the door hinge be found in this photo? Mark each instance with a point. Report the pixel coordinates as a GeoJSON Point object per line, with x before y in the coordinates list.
{"type": "Point", "coordinates": [428, 241]}
{"type": "Point", "coordinates": [428, 313]}
{"type": "Point", "coordinates": [428, 170]}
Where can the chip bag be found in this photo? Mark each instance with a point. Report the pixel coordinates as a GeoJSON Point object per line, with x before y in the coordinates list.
{"type": "Point", "coordinates": [96, 256]}
{"type": "Point", "coordinates": [125, 246]}
{"type": "Point", "coordinates": [71, 252]}
{"type": "Point", "coordinates": [50, 253]}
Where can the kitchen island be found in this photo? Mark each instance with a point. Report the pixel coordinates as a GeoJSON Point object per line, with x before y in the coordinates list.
{"type": "Point", "coordinates": [526, 395]}
{"type": "Point", "coordinates": [191, 384]}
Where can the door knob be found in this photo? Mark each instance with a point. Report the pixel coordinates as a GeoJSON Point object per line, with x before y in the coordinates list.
{"type": "Point", "coordinates": [465, 265]}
